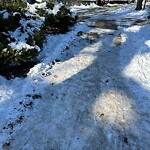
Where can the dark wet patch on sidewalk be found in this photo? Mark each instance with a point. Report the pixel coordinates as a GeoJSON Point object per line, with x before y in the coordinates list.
{"type": "Point", "coordinates": [105, 24]}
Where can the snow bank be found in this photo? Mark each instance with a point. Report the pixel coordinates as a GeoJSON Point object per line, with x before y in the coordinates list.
{"type": "Point", "coordinates": [135, 63]}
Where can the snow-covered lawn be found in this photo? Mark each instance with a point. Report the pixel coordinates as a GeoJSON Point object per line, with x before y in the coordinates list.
{"type": "Point", "coordinates": [90, 91]}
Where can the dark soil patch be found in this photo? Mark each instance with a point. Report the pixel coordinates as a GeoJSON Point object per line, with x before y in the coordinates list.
{"type": "Point", "coordinates": [105, 24]}
{"type": "Point", "coordinates": [17, 71]}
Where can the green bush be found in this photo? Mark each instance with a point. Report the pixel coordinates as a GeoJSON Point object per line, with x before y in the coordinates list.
{"type": "Point", "coordinates": [50, 4]}
{"type": "Point", "coordinates": [10, 23]}
{"type": "Point", "coordinates": [39, 37]}
{"type": "Point", "coordinates": [59, 23]}
{"type": "Point", "coordinates": [9, 56]}
{"type": "Point", "coordinates": [12, 57]}
{"type": "Point", "coordinates": [13, 6]}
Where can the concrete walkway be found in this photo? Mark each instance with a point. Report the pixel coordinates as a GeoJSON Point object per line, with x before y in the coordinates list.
{"type": "Point", "coordinates": [86, 104]}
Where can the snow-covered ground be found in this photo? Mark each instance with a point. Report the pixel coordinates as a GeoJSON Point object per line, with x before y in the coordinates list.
{"type": "Point", "coordinates": [91, 90]}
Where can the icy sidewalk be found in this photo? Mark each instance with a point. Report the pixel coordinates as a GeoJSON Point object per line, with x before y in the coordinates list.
{"type": "Point", "coordinates": [85, 99]}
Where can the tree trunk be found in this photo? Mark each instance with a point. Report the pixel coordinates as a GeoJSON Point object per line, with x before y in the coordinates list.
{"type": "Point", "coordinates": [139, 5]}
{"type": "Point", "coordinates": [144, 4]}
